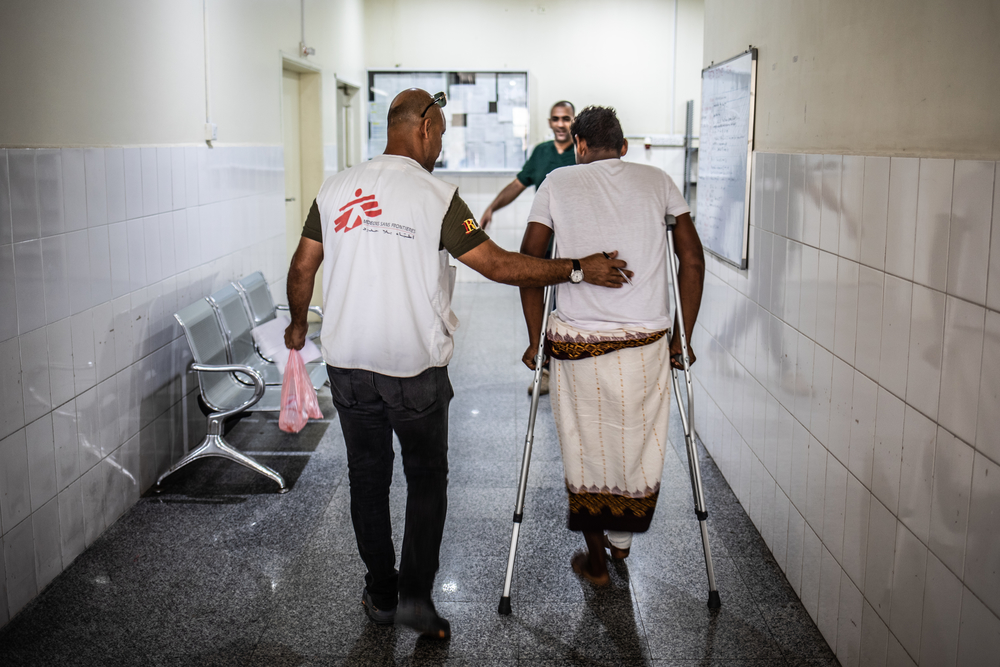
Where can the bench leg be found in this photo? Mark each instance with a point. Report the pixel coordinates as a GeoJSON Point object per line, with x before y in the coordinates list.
{"type": "Point", "coordinates": [215, 445]}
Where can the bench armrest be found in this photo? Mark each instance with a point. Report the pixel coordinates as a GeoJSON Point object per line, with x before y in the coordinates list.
{"type": "Point", "coordinates": [258, 385]}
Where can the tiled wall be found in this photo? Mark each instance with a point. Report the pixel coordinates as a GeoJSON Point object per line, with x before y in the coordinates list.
{"type": "Point", "coordinates": [98, 248]}
{"type": "Point", "coordinates": [848, 389]}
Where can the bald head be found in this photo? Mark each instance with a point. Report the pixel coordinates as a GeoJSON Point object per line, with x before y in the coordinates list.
{"type": "Point", "coordinates": [406, 108]}
{"type": "Point", "coordinates": [412, 135]}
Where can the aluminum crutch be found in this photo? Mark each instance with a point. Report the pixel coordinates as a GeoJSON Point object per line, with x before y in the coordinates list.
{"type": "Point", "coordinates": [687, 419]}
{"type": "Point", "coordinates": [529, 439]}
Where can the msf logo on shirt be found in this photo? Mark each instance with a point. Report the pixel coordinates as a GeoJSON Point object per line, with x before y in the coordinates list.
{"type": "Point", "coordinates": [369, 207]}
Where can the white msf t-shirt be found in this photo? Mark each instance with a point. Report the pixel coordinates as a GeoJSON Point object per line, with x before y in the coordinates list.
{"type": "Point", "coordinates": [604, 206]}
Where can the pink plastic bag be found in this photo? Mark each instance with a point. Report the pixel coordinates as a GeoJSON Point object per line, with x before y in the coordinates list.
{"type": "Point", "coordinates": [298, 398]}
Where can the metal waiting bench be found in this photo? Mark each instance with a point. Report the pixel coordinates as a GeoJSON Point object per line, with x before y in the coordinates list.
{"type": "Point", "coordinates": [233, 377]}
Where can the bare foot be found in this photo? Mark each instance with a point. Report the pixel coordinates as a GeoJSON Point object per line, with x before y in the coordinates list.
{"type": "Point", "coordinates": [581, 565]}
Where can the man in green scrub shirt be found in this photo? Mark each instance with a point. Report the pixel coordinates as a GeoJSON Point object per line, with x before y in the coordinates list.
{"type": "Point", "coordinates": [547, 156]}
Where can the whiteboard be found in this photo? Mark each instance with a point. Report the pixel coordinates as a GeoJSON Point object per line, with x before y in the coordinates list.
{"type": "Point", "coordinates": [726, 144]}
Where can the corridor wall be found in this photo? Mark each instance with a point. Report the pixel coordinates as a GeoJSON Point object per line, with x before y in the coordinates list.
{"type": "Point", "coordinates": [850, 377]}
{"type": "Point", "coordinates": [113, 215]}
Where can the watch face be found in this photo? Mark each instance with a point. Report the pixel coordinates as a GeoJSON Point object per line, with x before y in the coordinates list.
{"type": "Point", "coordinates": [576, 276]}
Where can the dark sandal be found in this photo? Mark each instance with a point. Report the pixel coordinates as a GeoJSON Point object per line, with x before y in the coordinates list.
{"type": "Point", "coordinates": [580, 562]}
{"type": "Point", "coordinates": [616, 553]}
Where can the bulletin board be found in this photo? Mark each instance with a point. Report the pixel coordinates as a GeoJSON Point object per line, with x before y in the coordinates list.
{"type": "Point", "coordinates": [728, 93]}
{"type": "Point", "coordinates": [487, 116]}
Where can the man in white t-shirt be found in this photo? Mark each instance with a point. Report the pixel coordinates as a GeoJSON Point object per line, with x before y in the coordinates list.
{"type": "Point", "coordinates": [610, 350]}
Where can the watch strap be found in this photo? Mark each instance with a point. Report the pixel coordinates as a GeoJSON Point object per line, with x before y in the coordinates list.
{"type": "Point", "coordinates": [576, 265]}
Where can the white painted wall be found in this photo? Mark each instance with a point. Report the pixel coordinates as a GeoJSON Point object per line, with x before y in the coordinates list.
{"type": "Point", "coordinates": [587, 51]}
{"type": "Point", "coordinates": [896, 77]}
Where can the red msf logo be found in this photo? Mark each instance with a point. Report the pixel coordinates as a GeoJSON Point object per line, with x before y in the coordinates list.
{"type": "Point", "coordinates": [368, 206]}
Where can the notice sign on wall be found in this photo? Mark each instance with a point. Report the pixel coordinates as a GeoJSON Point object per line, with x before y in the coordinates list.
{"type": "Point", "coordinates": [725, 148]}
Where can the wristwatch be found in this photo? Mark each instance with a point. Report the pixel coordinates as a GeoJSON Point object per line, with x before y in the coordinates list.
{"type": "Point", "coordinates": [576, 275]}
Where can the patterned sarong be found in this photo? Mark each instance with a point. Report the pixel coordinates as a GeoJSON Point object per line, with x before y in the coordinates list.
{"type": "Point", "coordinates": [611, 403]}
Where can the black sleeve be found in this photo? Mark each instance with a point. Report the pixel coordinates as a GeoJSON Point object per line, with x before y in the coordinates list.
{"type": "Point", "coordinates": [313, 228]}
{"type": "Point", "coordinates": [460, 232]}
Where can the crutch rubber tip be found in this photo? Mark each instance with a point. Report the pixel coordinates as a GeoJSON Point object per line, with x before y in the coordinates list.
{"type": "Point", "coordinates": [504, 608]}
{"type": "Point", "coordinates": [714, 601]}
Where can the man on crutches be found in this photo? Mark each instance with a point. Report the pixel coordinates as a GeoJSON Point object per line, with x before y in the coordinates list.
{"type": "Point", "coordinates": [611, 355]}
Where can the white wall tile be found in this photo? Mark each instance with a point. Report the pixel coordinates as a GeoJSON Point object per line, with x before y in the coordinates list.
{"type": "Point", "coordinates": [917, 473]}
{"type": "Point", "coordinates": [930, 257]}
{"type": "Point", "coordinates": [808, 291]}
{"type": "Point", "coordinates": [150, 197]}
{"type": "Point", "coordinates": [856, 511]}
{"type": "Point", "coordinates": [923, 374]}
{"type": "Point", "coordinates": [812, 558]}
{"type": "Point", "coordinates": [792, 282]}
{"type": "Point", "coordinates": [74, 191]}
{"type": "Point", "coordinates": [164, 185]}
{"type": "Point", "coordinates": [796, 537]}
{"type": "Point", "coordinates": [780, 529]}
{"type": "Point", "coordinates": [114, 501]}
{"type": "Point", "coordinates": [988, 419]}
{"type": "Point", "coordinates": [15, 499]}
{"type": "Point", "coordinates": [84, 361]}
{"type": "Point", "coordinates": [835, 508]}
{"type": "Point", "coordinates": [136, 254]}
{"type": "Point", "coordinates": [104, 341]}
{"type": "Point", "coordinates": [960, 367]}
{"type": "Point", "coordinates": [168, 260]}
{"type": "Point", "coordinates": [781, 192]}
{"type": "Point", "coordinates": [29, 285]}
{"type": "Point", "coordinates": [59, 339]}
{"type": "Point", "coordinates": [121, 308]}
{"type": "Point", "coordinates": [909, 571]}
{"type": "Point", "coordinates": [829, 237]}
{"type": "Point", "coordinates": [55, 280]}
{"type": "Point", "coordinates": [132, 471]}
{"type": "Point", "coordinates": [896, 655]}
{"type": "Point", "coordinates": [868, 347]}
{"type": "Point", "coordinates": [8, 294]}
{"type": "Point", "coordinates": [800, 467]}
{"type": "Point", "coordinates": [983, 548]}
{"type": "Point", "coordinates": [6, 230]}
{"type": "Point", "coordinates": [852, 186]}
{"type": "Point", "coordinates": [118, 258]}
{"type": "Point", "coordinates": [114, 172]}
{"type": "Point", "coordinates": [849, 624]}
{"type": "Point", "coordinates": [191, 175]}
{"type": "Point", "coordinates": [11, 397]}
{"type": "Point", "coordinates": [901, 229]}
{"type": "Point", "coordinates": [819, 423]}
{"type": "Point", "coordinates": [151, 238]}
{"type": "Point", "coordinates": [48, 556]}
{"type": "Point", "coordinates": [100, 265]}
{"type": "Point", "coordinates": [78, 271]}
{"type": "Point", "coordinates": [888, 449]}
{"type": "Point", "coordinates": [978, 635]}
{"type": "Point", "coordinates": [812, 201]}
{"type": "Point", "coordinates": [133, 183]}
{"type": "Point", "coordinates": [178, 179]}
{"type": "Point", "coordinates": [969, 236]}
{"type": "Point", "coordinates": [942, 611]}
{"type": "Point", "coordinates": [71, 527]}
{"type": "Point", "coordinates": [993, 284]}
{"type": "Point", "coordinates": [846, 335]}
{"type": "Point", "coordinates": [4, 615]}
{"type": "Point", "coordinates": [874, 638]}
{"type": "Point", "coordinates": [952, 489]}
{"type": "Point", "coordinates": [879, 559]}
{"type": "Point", "coordinates": [826, 300]}
{"type": "Point", "coordinates": [35, 375]}
{"type": "Point", "coordinates": [23, 195]}
{"type": "Point", "coordinates": [97, 187]}
{"type": "Point", "coordinates": [19, 556]}
{"type": "Point", "coordinates": [92, 488]}
{"type": "Point", "coordinates": [875, 212]}
{"type": "Point", "coordinates": [765, 176]}
{"type": "Point", "coordinates": [67, 444]}
{"type": "Point", "coordinates": [816, 485]}
{"type": "Point", "coordinates": [829, 598]}
{"type": "Point", "coordinates": [897, 313]}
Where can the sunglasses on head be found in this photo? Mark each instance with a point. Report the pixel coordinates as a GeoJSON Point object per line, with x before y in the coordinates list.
{"type": "Point", "coordinates": [440, 99]}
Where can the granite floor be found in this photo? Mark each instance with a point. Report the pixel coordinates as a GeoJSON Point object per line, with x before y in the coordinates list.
{"type": "Point", "coordinates": [219, 569]}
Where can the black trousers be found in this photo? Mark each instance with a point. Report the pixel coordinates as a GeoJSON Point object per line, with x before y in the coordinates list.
{"type": "Point", "coordinates": [371, 407]}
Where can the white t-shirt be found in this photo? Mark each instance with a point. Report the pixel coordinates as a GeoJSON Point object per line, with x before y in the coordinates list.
{"type": "Point", "coordinates": [604, 206]}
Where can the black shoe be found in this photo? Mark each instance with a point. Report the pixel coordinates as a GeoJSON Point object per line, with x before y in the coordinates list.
{"type": "Point", "coordinates": [380, 616]}
{"type": "Point", "coordinates": [422, 617]}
